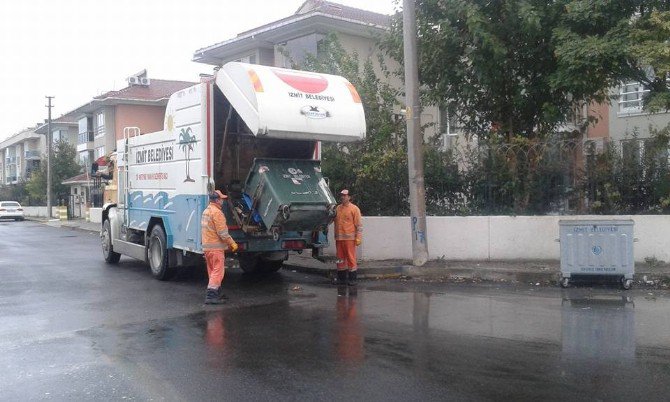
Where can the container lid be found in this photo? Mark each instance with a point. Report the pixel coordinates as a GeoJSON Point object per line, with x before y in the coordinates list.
{"type": "Point", "coordinates": [291, 104]}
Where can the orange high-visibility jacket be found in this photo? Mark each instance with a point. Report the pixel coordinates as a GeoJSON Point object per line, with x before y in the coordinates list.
{"type": "Point", "coordinates": [348, 224]}
{"type": "Point", "coordinates": [214, 229]}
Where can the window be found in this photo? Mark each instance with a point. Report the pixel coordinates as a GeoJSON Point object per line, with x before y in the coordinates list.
{"type": "Point", "coordinates": [250, 59]}
{"type": "Point", "coordinates": [85, 132]}
{"type": "Point", "coordinates": [59, 135]}
{"type": "Point", "coordinates": [631, 95]}
{"type": "Point", "coordinates": [99, 151]}
{"type": "Point", "coordinates": [83, 125]}
{"type": "Point", "coordinates": [85, 157]}
{"type": "Point", "coordinates": [100, 126]}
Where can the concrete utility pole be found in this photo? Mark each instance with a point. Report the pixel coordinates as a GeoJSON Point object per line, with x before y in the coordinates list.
{"type": "Point", "coordinates": [417, 190]}
{"type": "Point", "coordinates": [49, 106]}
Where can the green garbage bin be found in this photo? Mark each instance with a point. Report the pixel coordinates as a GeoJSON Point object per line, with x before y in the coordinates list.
{"type": "Point", "coordinates": [289, 195]}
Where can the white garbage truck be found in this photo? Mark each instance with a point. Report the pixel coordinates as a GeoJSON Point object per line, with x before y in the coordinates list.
{"type": "Point", "coordinates": [255, 133]}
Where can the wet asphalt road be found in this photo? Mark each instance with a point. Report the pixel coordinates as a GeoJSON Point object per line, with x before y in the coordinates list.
{"type": "Point", "coordinates": [74, 328]}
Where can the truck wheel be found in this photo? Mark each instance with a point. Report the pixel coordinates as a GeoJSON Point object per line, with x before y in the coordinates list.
{"type": "Point", "coordinates": [157, 255]}
{"type": "Point", "coordinates": [106, 238]}
{"type": "Point", "coordinates": [249, 262]}
{"type": "Point", "coordinates": [271, 265]}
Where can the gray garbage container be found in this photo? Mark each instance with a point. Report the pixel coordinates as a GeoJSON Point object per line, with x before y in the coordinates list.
{"type": "Point", "coordinates": [592, 248]}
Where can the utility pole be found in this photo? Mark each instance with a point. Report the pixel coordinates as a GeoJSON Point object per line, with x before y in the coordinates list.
{"type": "Point", "coordinates": [417, 190]}
{"type": "Point", "coordinates": [49, 106]}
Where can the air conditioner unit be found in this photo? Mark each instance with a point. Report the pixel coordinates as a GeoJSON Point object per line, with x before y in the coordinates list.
{"type": "Point", "coordinates": [145, 81]}
{"type": "Point", "coordinates": [133, 80]}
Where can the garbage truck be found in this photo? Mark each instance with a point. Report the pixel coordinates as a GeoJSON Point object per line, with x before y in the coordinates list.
{"type": "Point", "coordinates": [255, 133]}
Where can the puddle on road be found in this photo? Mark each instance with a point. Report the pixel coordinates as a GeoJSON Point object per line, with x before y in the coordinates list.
{"type": "Point", "coordinates": [432, 340]}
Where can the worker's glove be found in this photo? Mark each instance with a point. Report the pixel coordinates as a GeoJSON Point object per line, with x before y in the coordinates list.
{"type": "Point", "coordinates": [358, 242]}
{"type": "Point", "coordinates": [233, 247]}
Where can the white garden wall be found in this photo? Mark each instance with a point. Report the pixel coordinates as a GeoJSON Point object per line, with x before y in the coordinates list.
{"type": "Point", "coordinates": [497, 238]}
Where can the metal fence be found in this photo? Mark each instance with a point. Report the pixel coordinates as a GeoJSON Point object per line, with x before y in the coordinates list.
{"type": "Point", "coordinates": [550, 177]}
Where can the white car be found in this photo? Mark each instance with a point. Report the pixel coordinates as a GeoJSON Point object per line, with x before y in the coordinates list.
{"type": "Point", "coordinates": [11, 210]}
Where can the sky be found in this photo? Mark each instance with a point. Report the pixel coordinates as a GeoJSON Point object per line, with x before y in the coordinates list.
{"type": "Point", "coordinates": [77, 49]}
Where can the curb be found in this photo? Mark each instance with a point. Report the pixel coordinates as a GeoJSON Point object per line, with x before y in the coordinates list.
{"type": "Point", "coordinates": [464, 274]}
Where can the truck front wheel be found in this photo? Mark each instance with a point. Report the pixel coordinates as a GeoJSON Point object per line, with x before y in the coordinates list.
{"type": "Point", "coordinates": [157, 254]}
{"type": "Point", "coordinates": [106, 238]}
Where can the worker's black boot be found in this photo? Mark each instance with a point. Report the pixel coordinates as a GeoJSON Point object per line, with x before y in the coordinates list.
{"type": "Point", "coordinates": [352, 278]}
{"type": "Point", "coordinates": [212, 297]}
{"type": "Point", "coordinates": [341, 277]}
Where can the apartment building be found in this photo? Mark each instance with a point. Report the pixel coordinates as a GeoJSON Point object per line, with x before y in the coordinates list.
{"type": "Point", "coordinates": [97, 125]}
{"type": "Point", "coordinates": [291, 39]}
{"type": "Point", "coordinates": [20, 155]}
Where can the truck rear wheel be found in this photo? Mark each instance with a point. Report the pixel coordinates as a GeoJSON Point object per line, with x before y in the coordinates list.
{"type": "Point", "coordinates": [157, 255]}
{"type": "Point", "coordinates": [106, 238]}
{"type": "Point", "coordinates": [271, 265]}
{"type": "Point", "coordinates": [249, 262]}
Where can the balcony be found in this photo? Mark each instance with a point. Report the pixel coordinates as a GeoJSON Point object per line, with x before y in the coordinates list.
{"type": "Point", "coordinates": [10, 160]}
{"type": "Point", "coordinates": [85, 137]}
{"type": "Point", "coordinates": [85, 141]}
{"type": "Point", "coordinates": [32, 155]}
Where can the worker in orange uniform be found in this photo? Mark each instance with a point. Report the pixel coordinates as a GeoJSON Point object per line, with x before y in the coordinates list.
{"type": "Point", "coordinates": [348, 235]}
{"type": "Point", "coordinates": [215, 240]}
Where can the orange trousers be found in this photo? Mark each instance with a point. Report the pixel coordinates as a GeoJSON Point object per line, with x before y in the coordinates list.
{"type": "Point", "coordinates": [346, 254]}
{"type": "Point", "coordinates": [215, 268]}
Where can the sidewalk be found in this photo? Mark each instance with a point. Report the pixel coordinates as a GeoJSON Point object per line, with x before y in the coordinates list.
{"type": "Point", "coordinates": [532, 272]}
{"type": "Point", "coordinates": [80, 224]}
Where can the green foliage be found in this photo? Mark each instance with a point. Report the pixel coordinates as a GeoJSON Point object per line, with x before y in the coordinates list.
{"type": "Point", "coordinates": [631, 179]}
{"type": "Point", "coordinates": [651, 34]}
{"type": "Point", "coordinates": [64, 166]}
{"type": "Point", "coordinates": [375, 170]}
{"type": "Point", "coordinates": [517, 67]}
{"type": "Point", "coordinates": [15, 192]}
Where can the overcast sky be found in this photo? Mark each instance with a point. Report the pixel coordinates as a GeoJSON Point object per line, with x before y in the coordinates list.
{"type": "Point", "coordinates": [77, 49]}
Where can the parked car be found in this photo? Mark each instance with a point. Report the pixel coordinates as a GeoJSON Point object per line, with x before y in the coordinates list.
{"type": "Point", "coordinates": [11, 210]}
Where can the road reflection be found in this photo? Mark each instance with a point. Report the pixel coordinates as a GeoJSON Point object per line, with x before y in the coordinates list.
{"type": "Point", "coordinates": [597, 327]}
{"type": "Point", "coordinates": [349, 339]}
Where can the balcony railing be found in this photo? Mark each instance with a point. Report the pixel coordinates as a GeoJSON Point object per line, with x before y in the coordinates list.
{"type": "Point", "coordinates": [85, 137]}
{"type": "Point", "coordinates": [33, 155]}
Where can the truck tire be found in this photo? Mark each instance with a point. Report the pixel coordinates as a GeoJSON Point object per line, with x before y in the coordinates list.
{"type": "Point", "coordinates": [157, 255]}
{"type": "Point", "coordinates": [270, 266]}
{"type": "Point", "coordinates": [249, 262]}
{"type": "Point", "coordinates": [106, 238]}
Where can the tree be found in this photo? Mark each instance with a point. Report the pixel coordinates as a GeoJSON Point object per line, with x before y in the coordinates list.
{"type": "Point", "coordinates": [650, 36]}
{"type": "Point", "coordinates": [63, 166]}
{"type": "Point", "coordinates": [375, 170]}
{"type": "Point", "coordinates": [517, 67]}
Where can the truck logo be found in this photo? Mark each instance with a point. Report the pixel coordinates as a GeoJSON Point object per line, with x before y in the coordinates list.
{"type": "Point", "coordinates": [597, 250]}
{"type": "Point", "coordinates": [302, 81]}
{"type": "Point", "coordinates": [314, 112]}
{"type": "Point", "coordinates": [186, 141]}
